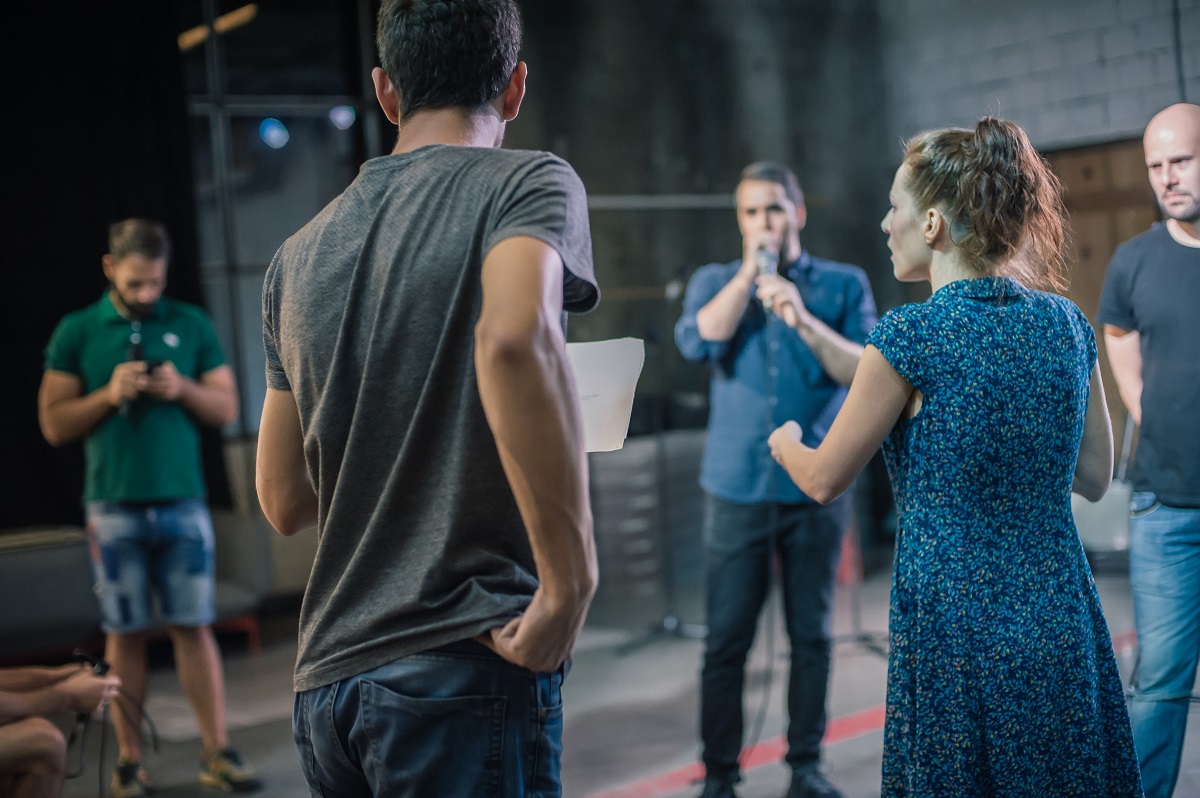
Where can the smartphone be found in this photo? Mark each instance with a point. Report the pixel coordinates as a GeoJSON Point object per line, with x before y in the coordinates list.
{"type": "Point", "coordinates": [151, 365]}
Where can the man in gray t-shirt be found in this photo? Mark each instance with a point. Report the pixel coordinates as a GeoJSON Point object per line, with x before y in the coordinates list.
{"type": "Point", "coordinates": [421, 413]}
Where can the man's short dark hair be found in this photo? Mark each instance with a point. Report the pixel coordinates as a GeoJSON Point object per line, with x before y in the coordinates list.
{"type": "Point", "coordinates": [144, 237]}
{"type": "Point", "coordinates": [775, 172]}
{"type": "Point", "coordinates": [448, 53]}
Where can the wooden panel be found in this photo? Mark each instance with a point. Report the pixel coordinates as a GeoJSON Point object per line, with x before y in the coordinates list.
{"type": "Point", "coordinates": [1093, 238]}
{"type": "Point", "coordinates": [1127, 166]}
{"type": "Point", "coordinates": [1109, 201]}
{"type": "Point", "coordinates": [1110, 176]}
{"type": "Point", "coordinates": [1082, 172]}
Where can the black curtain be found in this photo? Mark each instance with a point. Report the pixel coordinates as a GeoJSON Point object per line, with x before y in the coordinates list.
{"type": "Point", "coordinates": [96, 131]}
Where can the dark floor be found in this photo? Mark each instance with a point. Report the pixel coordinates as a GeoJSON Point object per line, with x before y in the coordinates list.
{"type": "Point", "coordinates": [631, 697]}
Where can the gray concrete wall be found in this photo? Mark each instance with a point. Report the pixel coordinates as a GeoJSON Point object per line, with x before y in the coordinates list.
{"type": "Point", "coordinates": [659, 105]}
{"type": "Point", "coordinates": [1071, 72]}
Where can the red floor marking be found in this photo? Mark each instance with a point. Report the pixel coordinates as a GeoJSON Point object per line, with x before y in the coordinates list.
{"type": "Point", "coordinates": [771, 751]}
{"type": "Point", "coordinates": [765, 753]}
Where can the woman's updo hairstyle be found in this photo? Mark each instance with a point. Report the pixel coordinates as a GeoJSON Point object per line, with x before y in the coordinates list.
{"type": "Point", "coordinates": [1001, 199]}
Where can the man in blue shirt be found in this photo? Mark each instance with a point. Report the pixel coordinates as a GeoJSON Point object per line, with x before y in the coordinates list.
{"type": "Point", "coordinates": [782, 332]}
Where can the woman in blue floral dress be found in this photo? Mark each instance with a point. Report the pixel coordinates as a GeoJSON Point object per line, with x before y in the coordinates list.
{"type": "Point", "coordinates": [987, 401]}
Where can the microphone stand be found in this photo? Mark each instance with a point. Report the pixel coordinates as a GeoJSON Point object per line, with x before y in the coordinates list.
{"type": "Point", "coordinates": [768, 263]}
{"type": "Point", "coordinates": [875, 642]}
{"type": "Point", "coordinates": [670, 624]}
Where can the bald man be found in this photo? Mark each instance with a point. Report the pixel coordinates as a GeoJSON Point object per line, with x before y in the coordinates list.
{"type": "Point", "coordinates": [1150, 309]}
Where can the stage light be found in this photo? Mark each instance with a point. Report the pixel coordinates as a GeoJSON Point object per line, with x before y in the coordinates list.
{"type": "Point", "coordinates": [342, 116]}
{"type": "Point", "coordinates": [273, 133]}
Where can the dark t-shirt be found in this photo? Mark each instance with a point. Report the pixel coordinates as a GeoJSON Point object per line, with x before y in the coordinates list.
{"type": "Point", "coordinates": [1153, 287]}
{"type": "Point", "coordinates": [369, 317]}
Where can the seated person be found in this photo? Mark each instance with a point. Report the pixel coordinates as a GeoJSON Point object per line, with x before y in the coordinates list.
{"type": "Point", "coordinates": [33, 750]}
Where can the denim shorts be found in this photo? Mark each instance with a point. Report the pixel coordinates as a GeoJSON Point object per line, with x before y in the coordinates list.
{"type": "Point", "coordinates": [153, 564]}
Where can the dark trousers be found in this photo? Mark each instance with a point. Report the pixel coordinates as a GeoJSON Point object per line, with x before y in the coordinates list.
{"type": "Point", "coordinates": [738, 542]}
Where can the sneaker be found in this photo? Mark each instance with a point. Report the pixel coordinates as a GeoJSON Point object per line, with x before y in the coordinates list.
{"type": "Point", "coordinates": [226, 770]}
{"type": "Point", "coordinates": [128, 780]}
{"type": "Point", "coordinates": [811, 783]}
{"type": "Point", "coordinates": [718, 788]}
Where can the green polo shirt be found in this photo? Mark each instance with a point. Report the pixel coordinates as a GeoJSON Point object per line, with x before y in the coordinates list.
{"type": "Point", "coordinates": [152, 453]}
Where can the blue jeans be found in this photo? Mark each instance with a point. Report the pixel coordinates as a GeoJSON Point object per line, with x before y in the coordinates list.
{"type": "Point", "coordinates": [456, 720]}
{"type": "Point", "coordinates": [1164, 570]}
{"type": "Point", "coordinates": [738, 563]}
{"type": "Point", "coordinates": [144, 552]}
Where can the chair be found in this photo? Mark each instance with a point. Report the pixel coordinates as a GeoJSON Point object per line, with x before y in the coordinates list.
{"type": "Point", "coordinates": [46, 592]}
{"type": "Point", "coordinates": [243, 569]}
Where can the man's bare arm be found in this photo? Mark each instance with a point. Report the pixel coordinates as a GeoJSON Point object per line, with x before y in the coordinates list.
{"type": "Point", "coordinates": [1094, 468]}
{"type": "Point", "coordinates": [82, 691]}
{"type": "Point", "coordinates": [1125, 358]}
{"type": "Point", "coordinates": [719, 318]}
{"type": "Point", "coordinates": [65, 414]}
{"type": "Point", "coordinates": [281, 473]}
{"type": "Point", "coordinates": [528, 394]}
{"type": "Point", "coordinates": [34, 677]}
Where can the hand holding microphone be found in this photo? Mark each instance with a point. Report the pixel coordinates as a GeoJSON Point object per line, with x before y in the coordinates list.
{"type": "Point", "coordinates": [125, 384]}
{"type": "Point", "coordinates": [134, 377]}
{"type": "Point", "coordinates": [124, 380]}
{"type": "Point", "coordinates": [778, 294]}
{"type": "Point", "coordinates": [137, 375]}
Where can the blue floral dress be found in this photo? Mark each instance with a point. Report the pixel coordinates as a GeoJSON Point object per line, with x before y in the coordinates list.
{"type": "Point", "coordinates": [1002, 679]}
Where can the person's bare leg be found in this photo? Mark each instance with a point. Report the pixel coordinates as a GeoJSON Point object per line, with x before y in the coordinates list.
{"type": "Point", "coordinates": [33, 759]}
{"type": "Point", "coordinates": [201, 674]}
{"type": "Point", "coordinates": [126, 655]}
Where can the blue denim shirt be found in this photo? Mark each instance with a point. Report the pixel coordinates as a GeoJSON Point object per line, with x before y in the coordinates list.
{"type": "Point", "coordinates": [765, 374]}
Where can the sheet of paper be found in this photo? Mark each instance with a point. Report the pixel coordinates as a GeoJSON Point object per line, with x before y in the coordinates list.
{"type": "Point", "coordinates": [606, 373]}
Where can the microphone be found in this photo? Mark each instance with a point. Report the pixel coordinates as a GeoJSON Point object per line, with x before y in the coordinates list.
{"type": "Point", "coordinates": [135, 352]}
{"type": "Point", "coordinates": [768, 263]}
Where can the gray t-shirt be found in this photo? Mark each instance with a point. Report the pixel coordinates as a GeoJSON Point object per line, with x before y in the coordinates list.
{"type": "Point", "coordinates": [369, 316]}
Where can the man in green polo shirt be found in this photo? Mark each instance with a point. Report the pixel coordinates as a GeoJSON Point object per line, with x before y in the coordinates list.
{"type": "Point", "coordinates": [134, 375]}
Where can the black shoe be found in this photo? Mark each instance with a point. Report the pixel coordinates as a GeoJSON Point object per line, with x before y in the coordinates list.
{"type": "Point", "coordinates": [128, 780]}
{"type": "Point", "coordinates": [811, 784]}
{"type": "Point", "coordinates": [718, 788]}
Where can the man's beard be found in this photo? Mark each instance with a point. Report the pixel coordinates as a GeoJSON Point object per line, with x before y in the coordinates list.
{"type": "Point", "coordinates": [1188, 214]}
{"type": "Point", "coordinates": [135, 309]}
